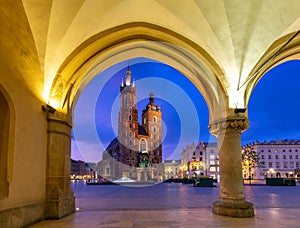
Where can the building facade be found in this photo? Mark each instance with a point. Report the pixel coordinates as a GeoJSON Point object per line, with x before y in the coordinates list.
{"type": "Point", "coordinates": [137, 151]}
{"type": "Point", "coordinates": [171, 169]}
{"type": "Point", "coordinates": [279, 158]}
{"type": "Point", "coordinates": [200, 160]}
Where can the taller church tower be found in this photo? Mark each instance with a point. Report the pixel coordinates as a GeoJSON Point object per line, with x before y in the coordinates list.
{"type": "Point", "coordinates": [128, 122]}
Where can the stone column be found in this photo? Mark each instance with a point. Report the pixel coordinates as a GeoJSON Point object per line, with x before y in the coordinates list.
{"type": "Point", "coordinates": [59, 196]}
{"type": "Point", "coordinates": [232, 201]}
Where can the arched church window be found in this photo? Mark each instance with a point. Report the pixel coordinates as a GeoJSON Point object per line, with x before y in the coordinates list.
{"type": "Point", "coordinates": [154, 119]}
{"type": "Point", "coordinates": [154, 129]}
{"type": "Point", "coordinates": [143, 145]}
{"type": "Point", "coordinates": [130, 117]}
{"type": "Point", "coordinates": [124, 99]}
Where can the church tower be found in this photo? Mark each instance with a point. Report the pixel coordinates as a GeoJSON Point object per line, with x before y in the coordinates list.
{"type": "Point", "coordinates": [152, 123]}
{"type": "Point", "coordinates": [128, 122]}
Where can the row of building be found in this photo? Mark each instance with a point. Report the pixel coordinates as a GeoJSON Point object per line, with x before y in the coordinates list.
{"type": "Point", "coordinates": [279, 158]}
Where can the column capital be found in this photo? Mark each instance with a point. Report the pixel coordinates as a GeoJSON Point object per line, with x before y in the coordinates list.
{"type": "Point", "coordinates": [231, 124]}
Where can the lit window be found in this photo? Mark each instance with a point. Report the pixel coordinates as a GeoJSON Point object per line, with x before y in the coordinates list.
{"type": "Point", "coordinates": [212, 169]}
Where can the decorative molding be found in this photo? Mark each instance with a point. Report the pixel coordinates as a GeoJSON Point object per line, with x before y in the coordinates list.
{"type": "Point", "coordinates": [236, 124]}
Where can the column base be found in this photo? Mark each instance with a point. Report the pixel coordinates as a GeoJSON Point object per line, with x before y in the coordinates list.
{"type": "Point", "coordinates": [56, 209]}
{"type": "Point", "coordinates": [239, 209]}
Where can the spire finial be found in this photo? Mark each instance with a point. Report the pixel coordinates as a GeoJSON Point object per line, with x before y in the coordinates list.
{"type": "Point", "coordinates": [128, 76]}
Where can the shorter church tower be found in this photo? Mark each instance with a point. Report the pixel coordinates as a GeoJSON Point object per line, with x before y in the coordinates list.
{"type": "Point", "coordinates": [152, 123]}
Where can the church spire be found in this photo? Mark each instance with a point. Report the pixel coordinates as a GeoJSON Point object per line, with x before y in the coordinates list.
{"type": "Point", "coordinates": [128, 77]}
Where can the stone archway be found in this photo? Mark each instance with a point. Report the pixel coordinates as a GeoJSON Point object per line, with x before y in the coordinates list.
{"type": "Point", "coordinates": [130, 41]}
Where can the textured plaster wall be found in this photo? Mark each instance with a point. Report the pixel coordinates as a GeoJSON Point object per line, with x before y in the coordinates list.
{"type": "Point", "coordinates": [22, 80]}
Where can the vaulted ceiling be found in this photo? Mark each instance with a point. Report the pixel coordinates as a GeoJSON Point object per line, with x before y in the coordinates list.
{"type": "Point", "coordinates": [236, 34]}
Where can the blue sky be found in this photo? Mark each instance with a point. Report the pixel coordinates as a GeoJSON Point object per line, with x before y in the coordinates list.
{"type": "Point", "coordinates": [273, 108]}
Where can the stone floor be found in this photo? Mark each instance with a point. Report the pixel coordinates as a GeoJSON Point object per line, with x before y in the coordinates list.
{"type": "Point", "coordinates": [175, 205]}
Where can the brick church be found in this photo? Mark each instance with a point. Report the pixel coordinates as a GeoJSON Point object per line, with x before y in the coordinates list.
{"type": "Point", "coordinates": [137, 151]}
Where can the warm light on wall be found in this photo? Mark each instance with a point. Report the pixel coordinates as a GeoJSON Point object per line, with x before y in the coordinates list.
{"type": "Point", "coordinates": [236, 98]}
{"type": "Point", "coordinates": [54, 103]}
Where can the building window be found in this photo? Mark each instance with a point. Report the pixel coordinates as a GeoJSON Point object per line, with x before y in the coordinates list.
{"type": "Point", "coordinates": [285, 165]}
{"type": "Point", "coordinates": [277, 164]}
{"type": "Point", "coordinates": [284, 156]}
{"type": "Point", "coordinates": [269, 150]}
{"type": "Point", "coordinates": [290, 150]}
{"type": "Point", "coordinates": [212, 169]}
{"type": "Point", "coordinates": [291, 164]}
{"type": "Point", "coordinates": [297, 165]}
{"type": "Point", "coordinates": [283, 150]}
{"type": "Point", "coordinates": [155, 119]}
{"type": "Point", "coordinates": [212, 162]}
{"type": "Point", "coordinates": [262, 156]}
{"type": "Point", "coordinates": [262, 151]}
{"type": "Point", "coordinates": [130, 125]}
{"type": "Point", "coordinates": [107, 171]}
{"type": "Point", "coordinates": [143, 145]}
{"type": "Point", "coordinates": [201, 153]}
{"type": "Point", "coordinates": [129, 117]}
{"type": "Point", "coordinates": [291, 156]}
{"type": "Point", "coordinates": [270, 156]}
{"type": "Point", "coordinates": [124, 100]}
{"type": "Point", "coordinates": [270, 164]}
{"type": "Point", "coordinates": [154, 129]}
{"type": "Point", "coordinates": [276, 156]}
{"type": "Point", "coordinates": [200, 158]}
{"type": "Point", "coordinates": [296, 156]}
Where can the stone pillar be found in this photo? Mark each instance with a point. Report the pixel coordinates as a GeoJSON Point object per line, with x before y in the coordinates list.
{"type": "Point", "coordinates": [59, 196]}
{"type": "Point", "coordinates": [232, 201]}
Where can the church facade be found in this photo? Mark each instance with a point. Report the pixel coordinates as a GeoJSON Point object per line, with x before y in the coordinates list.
{"type": "Point", "coordinates": [137, 151]}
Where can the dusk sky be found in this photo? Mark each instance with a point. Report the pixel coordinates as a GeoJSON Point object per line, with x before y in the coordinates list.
{"type": "Point", "coordinates": [273, 108]}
